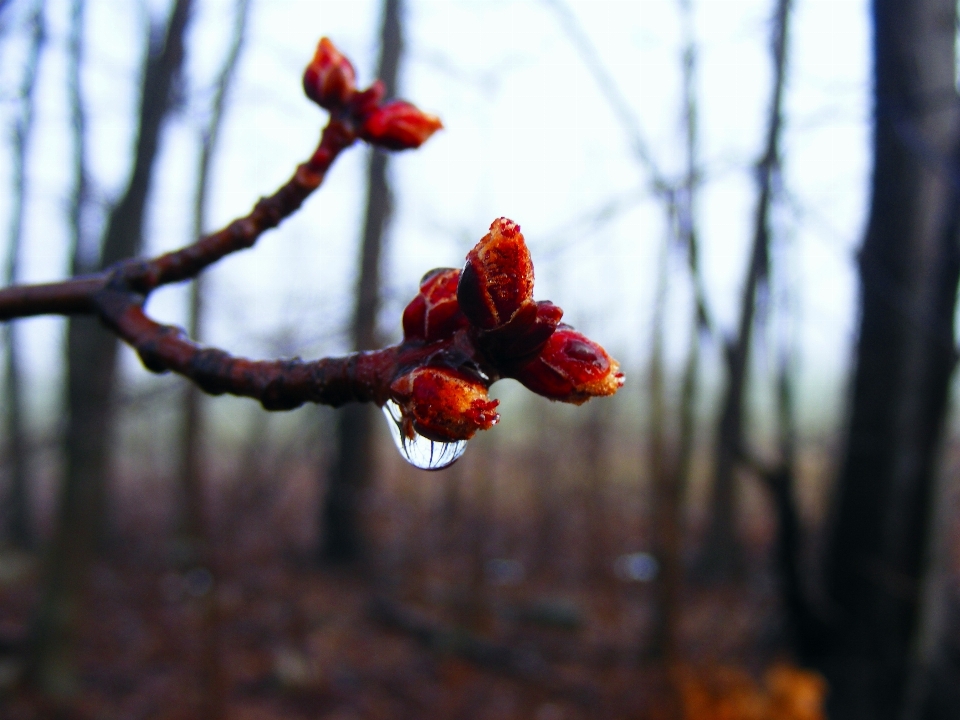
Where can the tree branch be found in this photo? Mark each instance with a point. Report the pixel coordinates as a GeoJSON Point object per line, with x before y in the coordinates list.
{"type": "Point", "coordinates": [460, 334]}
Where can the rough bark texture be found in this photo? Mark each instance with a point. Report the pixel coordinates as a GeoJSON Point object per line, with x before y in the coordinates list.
{"type": "Point", "coordinates": [19, 527]}
{"type": "Point", "coordinates": [904, 360]}
{"type": "Point", "coordinates": [91, 375]}
{"type": "Point", "coordinates": [352, 465]}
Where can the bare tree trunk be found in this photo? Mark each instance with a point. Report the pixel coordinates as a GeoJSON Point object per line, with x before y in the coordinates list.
{"type": "Point", "coordinates": [723, 553]}
{"type": "Point", "coordinates": [352, 466]}
{"type": "Point", "coordinates": [91, 379]}
{"type": "Point", "coordinates": [475, 606]}
{"type": "Point", "coordinates": [806, 622]}
{"type": "Point", "coordinates": [905, 356]}
{"type": "Point", "coordinates": [192, 428]}
{"type": "Point", "coordinates": [673, 472]}
{"type": "Point", "coordinates": [82, 256]}
{"type": "Point", "coordinates": [545, 478]}
{"type": "Point", "coordinates": [597, 424]}
{"type": "Point", "coordinates": [19, 528]}
{"type": "Point", "coordinates": [661, 517]}
{"type": "Point", "coordinates": [194, 543]}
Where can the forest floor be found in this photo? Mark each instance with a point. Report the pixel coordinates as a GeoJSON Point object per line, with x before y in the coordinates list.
{"type": "Point", "coordinates": [437, 628]}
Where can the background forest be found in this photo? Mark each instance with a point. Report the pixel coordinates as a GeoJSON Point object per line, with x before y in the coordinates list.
{"type": "Point", "coordinates": [752, 204]}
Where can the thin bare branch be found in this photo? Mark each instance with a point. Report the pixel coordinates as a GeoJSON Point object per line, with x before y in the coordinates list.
{"type": "Point", "coordinates": [611, 91]}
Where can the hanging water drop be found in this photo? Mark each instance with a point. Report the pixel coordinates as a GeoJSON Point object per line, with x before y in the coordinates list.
{"type": "Point", "coordinates": [419, 451]}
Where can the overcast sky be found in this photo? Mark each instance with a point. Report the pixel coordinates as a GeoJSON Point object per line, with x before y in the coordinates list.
{"type": "Point", "coordinates": [528, 135]}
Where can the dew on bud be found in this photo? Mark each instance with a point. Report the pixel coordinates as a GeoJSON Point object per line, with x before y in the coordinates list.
{"type": "Point", "coordinates": [419, 451]}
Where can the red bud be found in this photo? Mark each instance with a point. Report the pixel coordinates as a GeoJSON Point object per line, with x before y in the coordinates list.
{"type": "Point", "coordinates": [434, 314]}
{"type": "Point", "coordinates": [571, 368]}
{"type": "Point", "coordinates": [365, 102]}
{"type": "Point", "coordinates": [497, 279]}
{"type": "Point", "coordinates": [329, 79]}
{"type": "Point", "coordinates": [398, 125]}
{"type": "Point", "coordinates": [443, 404]}
{"type": "Point", "coordinates": [529, 328]}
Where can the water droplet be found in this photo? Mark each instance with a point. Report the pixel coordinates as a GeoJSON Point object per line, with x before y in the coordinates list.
{"type": "Point", "coordinates": [418, 450]}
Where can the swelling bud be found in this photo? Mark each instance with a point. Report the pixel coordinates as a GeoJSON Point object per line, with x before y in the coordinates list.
{"type": "Point", "coordinates": [434, 314]}
{"type": "Point", "coordinates": [398, 125]}
{"type": "Point", "coordinates": [570, 368]}
{"type": "Point", "coordinates": [497, 279]}
{"type": "Point", "coordinates": [329, 80]}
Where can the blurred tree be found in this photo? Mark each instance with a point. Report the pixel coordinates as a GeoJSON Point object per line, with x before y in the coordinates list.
{"type": "Point", "coordinates": [194, 547]}
{"type": "Point", "coordinates": [4, 6]}
{"type": "Point", "coordinates": [670, 471]}
{"type": "Point", "coordinates": [904, 360]}
{"type": "Point", "coordinates": [91, 371]}
{"type": "Point", "coordinates": [669, 462]}
{"type": "Point", "coordinates": [19, 528]}
{"type": "Point", "coordinates": [91, 350]}
{"type": "Point", "coordinates": [597, 426]}
{"type": "Point", "coordinates": [723, 552]}
{"type": "Point", "coordinates": [191, 528]}
{"type": "Point", "coordinates": [352, 465]}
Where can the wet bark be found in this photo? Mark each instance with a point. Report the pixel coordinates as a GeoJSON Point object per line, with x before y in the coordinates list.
{"type": "Point", "coordinates": [352, 466]}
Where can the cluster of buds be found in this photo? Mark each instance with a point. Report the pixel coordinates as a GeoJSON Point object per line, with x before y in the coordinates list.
{"type": "Point", "coordinates": [330, 81]}
{"type": "Point", "coordinates": [464, 329]}
{"type": "Point", "coordinates": [480, 324]}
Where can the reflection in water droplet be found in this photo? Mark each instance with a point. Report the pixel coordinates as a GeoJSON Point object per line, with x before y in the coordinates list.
{"type": "Point", "coordinates": [418, 450]}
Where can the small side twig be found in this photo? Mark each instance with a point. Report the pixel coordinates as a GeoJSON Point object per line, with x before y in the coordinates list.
{"type": "Point", "coordinates": [117, 295]}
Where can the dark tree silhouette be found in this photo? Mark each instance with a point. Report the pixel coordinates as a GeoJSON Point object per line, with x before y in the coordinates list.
{"type": "Point", "coordinates": [352, 464]}
{"type": "Point", "coordinates": [91, 378]}
{"type": "Point", "coordinates": [192, 428]}
{"type": "Point", "coordinates": [19, 527]}
{"type": "Point", "coordinates": [904, 360]}
{"type": "Point", "coordinates": [723, 555]}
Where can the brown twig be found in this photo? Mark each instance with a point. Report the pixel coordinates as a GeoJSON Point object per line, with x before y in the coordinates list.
{"type": "Point", "coordinates": [117, 296]}
{"type": "Point", "coordinates": [460, 333]}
